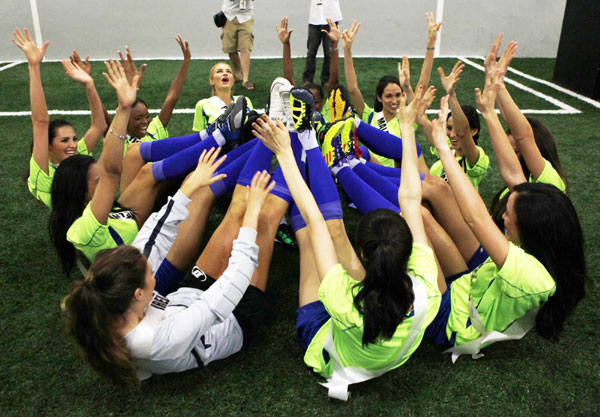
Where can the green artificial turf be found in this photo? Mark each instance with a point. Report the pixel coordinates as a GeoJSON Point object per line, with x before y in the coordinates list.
{"type": "Point", "coordinates": [42, 375]}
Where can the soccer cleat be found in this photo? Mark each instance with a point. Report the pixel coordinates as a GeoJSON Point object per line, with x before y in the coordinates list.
{"type": "Point", "coordinates": [338, 104]}
{"type": "Point", "coordinates": [331, 143]}
{"type": "Point", "coordinates": [231, 121]}
{"type": "Point", "coordinates": [302, 105]}
{"type": "Point", "coordinates": [285, 236]}
{"type": "Point", "coordinates": [348, 138]}
{"type": "Point", "coordinates": [275, 107]}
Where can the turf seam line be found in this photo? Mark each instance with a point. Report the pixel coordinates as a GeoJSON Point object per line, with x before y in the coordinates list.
{"type": "Point", "coordinates": [551, 100]}
{"type": "Point", "coordinates": [14, 64]}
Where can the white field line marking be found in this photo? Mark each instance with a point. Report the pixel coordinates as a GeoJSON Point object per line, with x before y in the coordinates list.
{"type": "Point", "coordinates": [14, 64]}
{"type": "Point", "coordinates": [439, 17]}
{"type": "Point", "coordinates": [192, 111]}
{"type": "Point", "coordinates": [568, 109]}
{"type": "Point", "coordinates": [36, 23]}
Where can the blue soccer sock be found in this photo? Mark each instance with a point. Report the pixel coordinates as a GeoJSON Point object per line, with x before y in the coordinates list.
{"type": "Point", "coordinates": [232, 170]}
{"type": "Point", "coordinates": [381, 184]}
{"type": "Point", "coordinates": [182, 162]}
{"type": "Point", "coordinates": [259, 159]}
{"type": "Point", "coordinates": [281, 189]}
{"type": "Point", "coordinates": [379, 141]}
{"type": "Point", "coordinates": [362, 194]}
{"type": "Point", "coordinates": [322, 186]}
{"type": "Point", "coordinates": [161, 149]}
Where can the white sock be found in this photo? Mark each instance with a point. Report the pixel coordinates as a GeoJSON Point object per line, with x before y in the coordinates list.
{"type": "Point", "coordinates": [336, 168]}
{"type": "Point", "coordinates": [204, 134]}
{"type": "Point", "coordinates": [357, 121]}
{"type": "Point", "coordinates": [219, 138]}
{"type": "Point", "coordinates": [308, 139]}
{"type": "Point", "coordinates": [353, 162]}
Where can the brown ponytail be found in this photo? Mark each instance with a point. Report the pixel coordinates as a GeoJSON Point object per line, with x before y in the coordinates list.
{"type": "Point", "coordinates": [96, 306]}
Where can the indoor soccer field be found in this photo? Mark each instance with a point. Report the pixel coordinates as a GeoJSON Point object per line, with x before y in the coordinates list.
{"type": "Point", "coordinates": [42, 375]}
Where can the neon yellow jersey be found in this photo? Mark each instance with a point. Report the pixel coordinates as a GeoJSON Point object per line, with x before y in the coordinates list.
{"type": "Point", "coordinates": [325, 111]}
{"type": "Point", "coordinates": [337, 293]}
{"type": "Point", "coordinates": [475, 173]}
{"type": "Point", "coordinates": [40, 183]}
{"type": "Point", "coordinates": [548, 176]}
{"type": "Point", "coordinates": [209, 109]}
{"type": "Point", "coordinates": [89, 236]}
{"type": "Point", "coordinates": [501, 296]}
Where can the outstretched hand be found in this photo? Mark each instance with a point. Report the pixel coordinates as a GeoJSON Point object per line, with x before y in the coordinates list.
{"type": "Point", "coordinates": [76, 73]}
{"type": "Point", "coordinates": [503, 63]}
{"type": "Point", "coordinates": [486, 99]}
{"type": "Point", "coordinates": [282, 30]}
{"type": "Point", "coordinates": [404, 74]}
{"type": "Point", "coordinates": [24, 42]}
{"type": "Point", "coordinates": [275, 136]}
{"type": "Point", "coordinates": [407, 113]}
{"type": "Point", "coordinates": [439, 125]}
{"type": "Point", "coordinates": [334, 33]}
{"type": "Point", "coordinates": [76, 59]}
{"type": "Point", "coordinates": [426, 100]}
{"type": "Point", "coordinates": [258, 190]}
{"type": "Point", "coordinates": [348, 36]}
{"type": "Point", "coordinates": [116, 77]}
{"type": "Point", "coordinates": [432, 27]}
{"type": "Point", "coordinates": [185, 50]}
{"type": "Point", "coordinates": [203, 175]}
{"type": "Point", "coordinates": [130, 69]}
{"type": "Point", "coordinates": [449, 82]}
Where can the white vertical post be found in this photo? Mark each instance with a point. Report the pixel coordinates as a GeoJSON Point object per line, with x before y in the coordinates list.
{"type": "Point", "coordinates": [36, 23]}
{"type": "Point", "coordinates": [439, 17]}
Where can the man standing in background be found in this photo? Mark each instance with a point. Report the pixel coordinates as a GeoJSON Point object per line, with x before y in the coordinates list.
{"type": "Point", "coordinates": [238, 37]}
{"type": "Point", "coordinates": [320, 11]}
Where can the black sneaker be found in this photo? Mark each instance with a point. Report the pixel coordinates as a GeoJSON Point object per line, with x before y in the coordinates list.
{"type": "Point", "coordinates": [231, 121]}
{"type": "Point", "coordinates": [286, 237]}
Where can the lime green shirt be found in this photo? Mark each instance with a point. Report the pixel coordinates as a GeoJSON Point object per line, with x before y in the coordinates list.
{"type": "Point", "coordinates": [209, 109]}
{"type": "Point", "coordinates": [475, 173]}
{"type": "Point", "coordinates": [337, 293]}
{"type": "Point", "coordinates": [393, 128]}
{"type": "Point", "coordinates": [40, 183]}
{"type": "Point", "coordinates": [501, 296]}
{"type": "Point", "coordinates": [89, 236]}
{"type": "Point", "coordinates": [548, 176]}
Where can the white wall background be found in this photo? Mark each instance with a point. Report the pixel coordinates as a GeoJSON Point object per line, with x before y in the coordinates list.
{"type": "Point", "coordinates": [389, 27]}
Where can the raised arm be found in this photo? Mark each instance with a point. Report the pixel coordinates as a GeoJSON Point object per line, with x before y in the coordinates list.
{"type": "Point", "coordinates": [432, 31]}
{"type": "Point", "coordinates": [404, 77]}
{"type": "Point", "coordinates": [409, 193]}
{"type": "Point", "coordinates": [111, 159]}
{"type": "Point", "coordinates": [351, 81]}
{"type": "Point", "coordinates": [166, 110]}
{"type": "Point", "coordinates": [130, 68]}
{"type": "Point", "coordinates": [87, 67]}
{"type": "Point", "coordinates": [276, 137]}
{"type": "Point", "coordinates": [422, 119]}
{"type": "Point", "coordinates": [469, 201]}
{"type": "Point", "coordinates": [39, 109]}
{"type": "Point", "coordinates": [334, 36]}
{"type": "Point", "coordinates": [508, 163]}
{"type": "Point", "coordinates": [284, 34]}
{"type": "Point", "coordinates": [98, 125]}
{"type": "Point", "coordinates": [517, 122]}
{"type": "Point", "coordinates": [461, 124]}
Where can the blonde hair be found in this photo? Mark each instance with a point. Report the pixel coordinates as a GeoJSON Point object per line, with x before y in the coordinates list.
{"type": "Point", "coordinates": [212, 71]}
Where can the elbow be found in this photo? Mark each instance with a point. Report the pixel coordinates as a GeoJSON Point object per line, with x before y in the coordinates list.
{"type": "Point", "coordinates": [41, 122]}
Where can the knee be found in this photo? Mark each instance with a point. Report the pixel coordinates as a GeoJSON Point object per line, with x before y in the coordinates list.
{"type": "Point", "coordinates": [133, 154]}
{"type": "Point", "coordinates": [435, 187]}
{"type": "Point", "coordinates": [336, 228]}
{"type": "Point", "coordinates": [145, 174]}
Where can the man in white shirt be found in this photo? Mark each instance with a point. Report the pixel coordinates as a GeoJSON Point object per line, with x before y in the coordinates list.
{"type": "Point", "coordinates": [320, 11]}
{"type": "Point", "coordinates": [238, 37]}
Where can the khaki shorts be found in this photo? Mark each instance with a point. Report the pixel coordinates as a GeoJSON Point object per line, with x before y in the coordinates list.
{"type": "Point", "coordinates": [238, 37]}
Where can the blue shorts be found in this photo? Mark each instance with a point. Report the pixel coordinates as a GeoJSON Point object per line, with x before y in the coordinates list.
{"type": "Point", "coordinates": [309, 319]}
{"type": "Point", "coordinates": [436, 331]}
{"type": "Point", "coordinates": [167, 278]}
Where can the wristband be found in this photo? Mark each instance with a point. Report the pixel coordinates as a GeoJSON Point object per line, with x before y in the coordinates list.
{"type": "Point", "coordinates": [431, 49]}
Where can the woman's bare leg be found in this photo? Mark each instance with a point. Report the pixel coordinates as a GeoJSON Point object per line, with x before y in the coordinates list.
{"type": "Point", "coordinates": [448, 255]}
{"type": "Point", "coordinates": [445, 210]}
{"type": "Point", "coordinates": [132, 164]}
{"type": "Point", "coordinates": [186, 246]}
{"type": "Point", "coordinates": [309, 277]}
{"type": "Point", "coordinates": [141, 194]}
{"type": "Point", "coordinates": [344, 250]}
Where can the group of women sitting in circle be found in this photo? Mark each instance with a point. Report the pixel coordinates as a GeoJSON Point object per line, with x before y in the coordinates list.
{"type": "Point", "coordinates": [431, 262]}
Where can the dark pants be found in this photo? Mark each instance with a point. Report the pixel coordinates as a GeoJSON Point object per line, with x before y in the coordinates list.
{"type": "Point", "coordinates": [315, 37]}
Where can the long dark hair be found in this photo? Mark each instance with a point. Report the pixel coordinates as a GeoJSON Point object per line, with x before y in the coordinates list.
{"type": "Point", "coordinates": [53, 126]}
{"type": "Point", "coordinates": [68, 194]}
{"type": "Point", "coordinates": [97, 304]}
{"type": "Point", "coordinates": [547, 146]}
{"type": "Point", "coordinates": [549, 229]}
{"type": "Point", "coordinates": [472, 118]}
{"type": "Point", "coordinates": [385, 295]}
{"type": "Point", "coordinates": [383, 82]}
